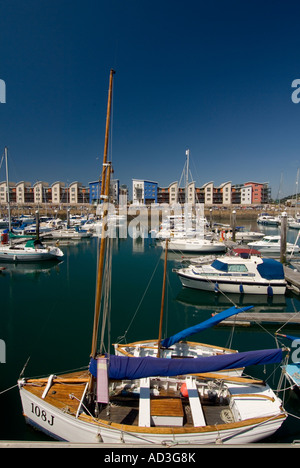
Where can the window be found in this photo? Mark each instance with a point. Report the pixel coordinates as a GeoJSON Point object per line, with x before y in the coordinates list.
{"type": "Point", "coordinates": [238, 268]}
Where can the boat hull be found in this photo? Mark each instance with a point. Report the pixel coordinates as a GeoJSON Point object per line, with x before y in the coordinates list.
{"type": "Point", "coordinates": [192, 246]}
{"type": "Point", "coordinates": [60, 425]}
{"type": "Point", "coordinates": [235, 287]}
{"type": "Point", "coordinates": [19, 254]}
{"type": "Point", "coordinates": [71, 235]}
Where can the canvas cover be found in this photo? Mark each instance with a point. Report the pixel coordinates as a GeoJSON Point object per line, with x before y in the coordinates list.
{"type": "Point", "coordinates": [124, 367]}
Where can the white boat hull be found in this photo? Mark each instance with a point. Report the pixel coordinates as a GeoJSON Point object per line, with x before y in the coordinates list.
{"type": "Point", "coordinates": [294, 225]}
{"type": "Point", "coordinates": [269, 249]}
{"type": "Point", "coordinates": [248, 236]}
{"type": "Point", "coordinates": [235, 287]}
{"type": "Point", "coordinates": [72, 234]}
{"type": "Point", "coordinates": [271, 245]}
{"type": "Point", "coordinates": [195, 245]}
{"type": "Point", "coordinates": [62, 426]}
{"type": "Point", "coordinates": [21, 255]}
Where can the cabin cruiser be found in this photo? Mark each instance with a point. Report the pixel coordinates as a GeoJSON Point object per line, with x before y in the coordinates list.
{"type": "Point", "coordinates": [244, 273]}
{"type": "Point", "coordinates": [268, 220]}
{"type": "Point", "coordinates": [272, 244]}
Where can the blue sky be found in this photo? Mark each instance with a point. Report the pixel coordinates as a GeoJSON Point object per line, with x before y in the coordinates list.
{"type": "Point", "coordinates": [213, 77]}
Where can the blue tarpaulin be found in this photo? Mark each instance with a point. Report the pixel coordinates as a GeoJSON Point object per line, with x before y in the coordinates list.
{"type": "Point", "coordinates": [271, 269]}
{"type": "Point", "coordinates": [218, 265]}
{"type": "Point", "coordinates": [125, 367]}
{"type": "Point", "coordinates": [167, 342]}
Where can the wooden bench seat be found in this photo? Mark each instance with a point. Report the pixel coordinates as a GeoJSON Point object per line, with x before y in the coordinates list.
{"type": "Point", "coordinates": [195, 403]}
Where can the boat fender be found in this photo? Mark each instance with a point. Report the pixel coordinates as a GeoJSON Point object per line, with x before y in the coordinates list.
{"type": "Point", "coordinates": [241, 288]}
{"type": "Point", "coordinates": [216, 287]}
{"type": "Point", "coordinates": [184, 390]}
{"type": "Point", "coordinates": [270, 291]}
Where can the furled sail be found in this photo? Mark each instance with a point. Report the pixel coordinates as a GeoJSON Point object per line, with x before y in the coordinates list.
{"type": "Point", "coordinates": [125, 367]}
{"type": "Point", "coordinates": [289, 337]}
{"type": "Point", "coordinates": [167, 342]}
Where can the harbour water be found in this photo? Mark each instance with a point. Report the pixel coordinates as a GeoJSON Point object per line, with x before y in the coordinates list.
{"type": "Point", "coordinates": [47, 317]}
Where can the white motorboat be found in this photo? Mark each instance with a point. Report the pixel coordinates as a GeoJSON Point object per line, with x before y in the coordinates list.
{"type": "Point", "coordinates": [194, 244]}
{"type": "Point", "coordinates": [247, 274]}
{"type": "Point", "coordinates": [272, 245]}
{"type": "Point", "coordinates": [70, 233]}
{"type": "Point", "coordinates": [245, 236]}
{"type": "Point", "coordinates": [268, 220]}
{"type": "Point", "coordinates": [294, 223]}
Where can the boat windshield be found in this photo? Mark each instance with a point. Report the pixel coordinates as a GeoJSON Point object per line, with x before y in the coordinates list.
{"type": "Point", "coordinates": [236, 267]}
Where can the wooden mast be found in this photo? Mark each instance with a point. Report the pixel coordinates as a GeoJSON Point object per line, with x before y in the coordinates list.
{"type": "Point", "coordinates": [112, 72]}
{"type": "Point", "coordinates": [7, 187]}
{"type": "Point", "coordinates": [105, 186]}
{"type": "Point", "coordinates": [162, 300]}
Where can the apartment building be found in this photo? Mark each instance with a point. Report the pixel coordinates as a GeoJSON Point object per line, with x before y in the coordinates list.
{"type": "Point", "coordinates": [94, 195]}
{"type": "Point", "coordinates": [41, 193]}
{"type": "Point", "coordinates": [225, 194]}
{"type": "Point", "coordinates": [144, 192]}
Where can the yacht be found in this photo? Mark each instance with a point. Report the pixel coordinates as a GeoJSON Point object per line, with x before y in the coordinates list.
{"type": "Point", "coordinates": [244, 273]}
{"type": "Point", "coordinates": [272, 245]}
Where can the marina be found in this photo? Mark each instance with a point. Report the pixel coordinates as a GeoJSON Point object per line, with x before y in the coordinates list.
{"type": "Point", "coordinates": [35, 323]}
{"type": "Point", "coordinates": [177, 392]}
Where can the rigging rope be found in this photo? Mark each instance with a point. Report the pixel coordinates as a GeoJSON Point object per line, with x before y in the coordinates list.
{"type": "Point", "coordinates": [122, 337]}
{"type": "Point", "coordinates": [7, 389]}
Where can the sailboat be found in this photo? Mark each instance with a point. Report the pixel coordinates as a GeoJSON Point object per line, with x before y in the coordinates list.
{"type": "Point", "coordinates": [187, 232]}
{"type": "Point", "coordinates": [31, 250]}
{"type": "Point", "coordinates": [150, 400]}
{"type": "Point", "coordinates": [176, 346]}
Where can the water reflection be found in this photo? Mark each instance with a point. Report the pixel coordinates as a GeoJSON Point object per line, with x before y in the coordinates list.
{"type": "Point", "coordinates": [35, 268]}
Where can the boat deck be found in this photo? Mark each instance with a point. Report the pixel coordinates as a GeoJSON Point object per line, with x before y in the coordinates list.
{"type": "Point", "coordinates": [126, 411]}
{"type": "Point", "coordinates": [66, 393]}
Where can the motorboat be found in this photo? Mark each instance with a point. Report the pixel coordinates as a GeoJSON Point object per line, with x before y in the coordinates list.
{"type": "Point", "coordinates": [70, 233]}
{"type": "Point", "coordinates": [268, 220]}
{"type": "Point", "coordinates": [243, 235]}
{"type": "Point", "coordinates": [272, 245]}
{"type": "Point", "coordinates": [194, 244]}
{"type": "Point", "coordinates": [244, 273]}
{"type": "Point", "coordinates": [294, 223]}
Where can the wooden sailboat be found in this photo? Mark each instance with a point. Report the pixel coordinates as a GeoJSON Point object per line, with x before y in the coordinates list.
{"type": "Point", "coordinates": [127, 400]}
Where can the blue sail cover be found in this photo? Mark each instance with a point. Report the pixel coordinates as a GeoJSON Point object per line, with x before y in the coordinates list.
{"type": "Point", "coordinates": [167, 342]}
{"type": "Point", "coordinates": [125, 367]}
{"type": "Point", "coordinates": [271, 269]}
{"type": "Point", "coordinates": [291, 337]}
